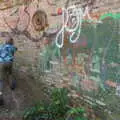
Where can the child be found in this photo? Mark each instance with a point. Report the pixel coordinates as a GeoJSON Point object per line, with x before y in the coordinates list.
{"type": "Point", "coordinates": [7, 51]}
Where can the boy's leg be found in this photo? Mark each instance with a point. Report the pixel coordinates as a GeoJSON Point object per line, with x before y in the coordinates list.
{"type": "Point", "coordinates": [2, 77]}
{"type": "Point", "coordinates": [12, 81]}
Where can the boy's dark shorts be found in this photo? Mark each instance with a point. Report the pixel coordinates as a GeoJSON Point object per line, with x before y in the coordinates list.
{"type": "Point", "coordinates": [5, 70]}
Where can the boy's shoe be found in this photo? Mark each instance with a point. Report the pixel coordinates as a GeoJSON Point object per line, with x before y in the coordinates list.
{"type": "Point", "coordinates": [1, 99]}
{"type": "Point", "coordinates": [13, 85]}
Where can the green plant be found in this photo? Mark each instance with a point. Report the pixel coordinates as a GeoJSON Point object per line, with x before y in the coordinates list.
{"type": "Point", "coordinates": [59, 101]}
{"type": "Point", "coordinates": [76, 111]}
{"type": "Point", "coordinates": [76, 114]}
{"type": "Point", "coordinates": [37, 112]}
{"type": "Point", "coordinates": [57, 109]}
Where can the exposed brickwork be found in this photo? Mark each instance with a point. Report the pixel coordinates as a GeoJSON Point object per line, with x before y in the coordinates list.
{"type": "Point", "coordinates": [28, 51]}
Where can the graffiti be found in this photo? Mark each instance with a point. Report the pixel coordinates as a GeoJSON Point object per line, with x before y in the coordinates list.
{"type": "Point", "coordinates": [25, 11]}
{"type": "Point", "coordinates": [71, 22]}
{"type": "Point", "coordinates": [15, 26]}
{"type": "Point", "coordinates": [39, 20]}
{"type": "Point", "coordinates": [72, 19]}
{"type": "Point", "coordinates": [110, 15]}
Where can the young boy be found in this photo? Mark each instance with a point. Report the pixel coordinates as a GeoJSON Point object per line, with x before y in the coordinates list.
{"type": "Point", "coordinates": [7, 51]}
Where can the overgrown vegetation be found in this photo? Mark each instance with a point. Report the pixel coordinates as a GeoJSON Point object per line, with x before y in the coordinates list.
{"type": "Point", "coordinates": [58, 109]}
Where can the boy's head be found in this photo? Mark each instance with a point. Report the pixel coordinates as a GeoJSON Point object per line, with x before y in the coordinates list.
{"type": "Point", "coordinates": [9, 41]}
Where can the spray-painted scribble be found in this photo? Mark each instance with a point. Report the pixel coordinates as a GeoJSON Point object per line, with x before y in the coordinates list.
{"type": "Point", "coordinates": [39, 20]}
{"type": "Point", "coordinates": [72, 20]}
{"type": "Point", "coordinates": [22, 23]}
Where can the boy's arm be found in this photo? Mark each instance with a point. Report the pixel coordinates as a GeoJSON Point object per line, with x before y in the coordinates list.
{"type": "Point", "coordinates": [15, 49]}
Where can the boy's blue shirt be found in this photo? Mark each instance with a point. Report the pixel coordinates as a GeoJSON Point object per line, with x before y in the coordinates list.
{"type": "Point", "coordinates": [7, 53]}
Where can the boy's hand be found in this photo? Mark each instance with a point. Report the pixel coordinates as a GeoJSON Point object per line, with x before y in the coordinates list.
{"type": "Point", "coordinates": [16, 48]}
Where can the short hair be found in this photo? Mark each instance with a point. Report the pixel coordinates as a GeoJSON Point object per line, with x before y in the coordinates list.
{"type": "Point", "coordinates": [9, 41]}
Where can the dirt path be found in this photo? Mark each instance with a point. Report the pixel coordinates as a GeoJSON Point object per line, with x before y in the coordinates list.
{"type": "Point", "coordinates": [16, 101]}
{"type": "Point", "coordinates": [23, 97]}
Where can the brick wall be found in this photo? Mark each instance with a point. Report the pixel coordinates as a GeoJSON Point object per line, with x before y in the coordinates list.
{"type": "Point", "coordinates": [29, 51]}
